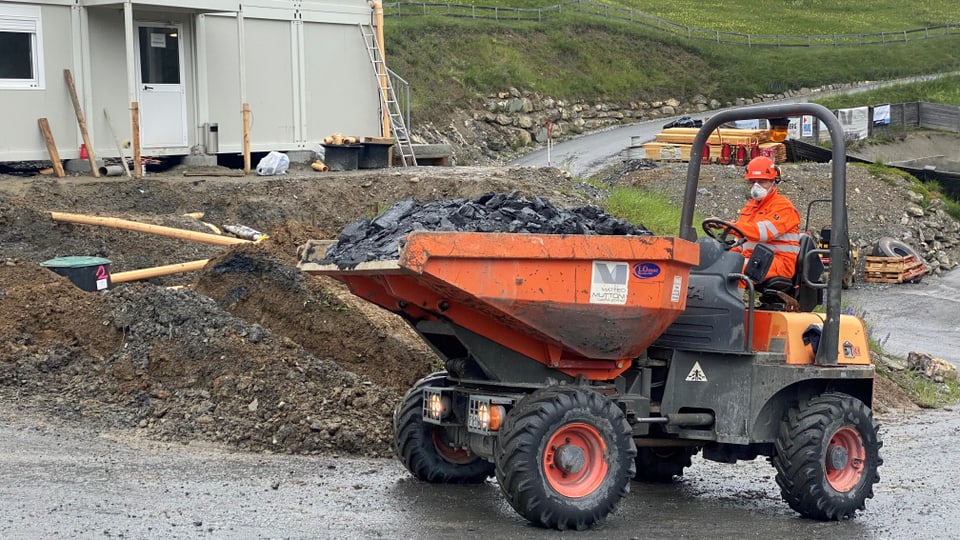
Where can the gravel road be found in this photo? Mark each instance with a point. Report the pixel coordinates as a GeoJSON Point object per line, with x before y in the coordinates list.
{"type": "Point", "coordinates": [58, 481]}
{"type": "Point", "coordinates": [911, 317]}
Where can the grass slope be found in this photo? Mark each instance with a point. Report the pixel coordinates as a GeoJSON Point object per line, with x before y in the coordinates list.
{"type": "Point", "coordinates": [452, 61]}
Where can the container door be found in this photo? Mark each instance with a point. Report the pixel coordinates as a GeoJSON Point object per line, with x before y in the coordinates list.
{"type": "Point", "coordinates": [161, 92]}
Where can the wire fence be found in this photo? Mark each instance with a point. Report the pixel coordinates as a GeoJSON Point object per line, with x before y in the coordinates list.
{"type": "Point", "coordinates": [419, 9]}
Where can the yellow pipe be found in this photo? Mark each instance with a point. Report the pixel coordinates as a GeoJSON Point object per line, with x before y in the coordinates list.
{"type": "Point", "coordinates": [384, 86]}
{"type": "Point", "coordinates": [147, 228]}
{"type": "Point", "coordinates": [147, 273]}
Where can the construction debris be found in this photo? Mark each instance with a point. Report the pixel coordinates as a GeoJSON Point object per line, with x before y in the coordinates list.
{"type": "Point", "coordinates": [247, 233]}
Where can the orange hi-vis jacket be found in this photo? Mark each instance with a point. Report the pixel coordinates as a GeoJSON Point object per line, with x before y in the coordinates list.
{"type": "Point", "coordinates": [775, 222]}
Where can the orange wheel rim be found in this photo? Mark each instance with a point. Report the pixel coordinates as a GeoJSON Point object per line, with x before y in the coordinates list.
{"type": "Point", "coordinates": [845, 459]}
{"type": "Point", "coordinates": [573, 462]}
{"type": "Point", "coordinates": [457, 456]}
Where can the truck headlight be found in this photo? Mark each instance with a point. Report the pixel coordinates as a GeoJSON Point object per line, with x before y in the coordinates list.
{"type": "Point", "coordinates": [484, 416]}
{"type": "Point", "coordinates": [436, 405]}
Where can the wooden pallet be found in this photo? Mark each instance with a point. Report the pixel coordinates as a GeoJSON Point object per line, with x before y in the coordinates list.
{"type": "Point", "coordinates": [893, 269]}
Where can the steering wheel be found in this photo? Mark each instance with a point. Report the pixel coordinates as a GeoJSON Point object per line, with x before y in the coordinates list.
{"type": "Point", "coordinates": [724, 232]}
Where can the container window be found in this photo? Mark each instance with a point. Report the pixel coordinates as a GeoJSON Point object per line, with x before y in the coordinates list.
{"type": "Point", "coordinates": [21, 40]}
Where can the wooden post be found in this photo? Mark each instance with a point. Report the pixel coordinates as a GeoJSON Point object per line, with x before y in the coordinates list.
{"type": "Point", "coordinates": [82, 123]}
{"type": "Point", "coordinates": [116, 141]}
{"type": "Point", "coordinates": [51, 146]}
{"type": "Point", "coordinates": [246, 138]}
{"type": "Point", "coordinates": [135, 120]}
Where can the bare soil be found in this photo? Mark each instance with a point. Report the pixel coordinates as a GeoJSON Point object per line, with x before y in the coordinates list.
{"type": "Point", "coordinates": [249, 351]}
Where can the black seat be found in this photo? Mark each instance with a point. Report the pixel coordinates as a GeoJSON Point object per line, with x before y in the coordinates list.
{"type": "Point", "coordinates": [806, 297]}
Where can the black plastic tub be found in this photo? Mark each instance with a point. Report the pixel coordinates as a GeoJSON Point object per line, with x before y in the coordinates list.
{"type": "Point", "coordinates": [375, 155]}
{"type": "Point", "coordinates": [342, 157]}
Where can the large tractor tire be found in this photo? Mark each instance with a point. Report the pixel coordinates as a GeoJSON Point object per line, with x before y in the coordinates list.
{"type": "Point", "coordinates": [661, 464]}
{"type": "Point", "coordinates": [565, 457]}
{"type": "Point", "coordinates": [827, 456]}
{"type": "Point", "coordinates": [423, 447]}
{"type": "Point", "coordinates": [891, 247]}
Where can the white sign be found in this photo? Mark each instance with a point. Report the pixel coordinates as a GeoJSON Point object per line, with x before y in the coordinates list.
{"type": "Point", "coordinates": [677, 287]}
{"type": "Point", "coordinates": [158, 40]}
{"type": "Point", "coordinates": [670, 153]}
{"type": "Point", "coordinates": [793, 129]}
{"type": "Point", "coordinates": [806, 126]}
{"type": "Point", "coordinates": [854, 122]}
{"type": "Point", "coordinates": [696, 374]}
{"type": "Point", "coordinates": [881, 115]}
{"type": "Point", "coordinates": [608, 285]}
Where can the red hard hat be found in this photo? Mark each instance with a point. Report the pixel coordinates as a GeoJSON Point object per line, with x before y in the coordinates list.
{"type": "Point", "coordinates": [761, 168]}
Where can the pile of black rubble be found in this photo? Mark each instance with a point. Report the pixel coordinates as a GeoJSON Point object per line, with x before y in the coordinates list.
{"type": "Point", "coordinates": [380, 238]}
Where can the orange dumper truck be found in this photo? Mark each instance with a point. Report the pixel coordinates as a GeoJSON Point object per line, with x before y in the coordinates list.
{"type": "Point", "coordinates": [575, 364]}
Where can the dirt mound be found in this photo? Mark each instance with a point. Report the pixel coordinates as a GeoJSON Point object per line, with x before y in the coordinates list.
{"type": "Point", "coordinates": [176, 365]}
{"type": "Point", "coordinates": [249, 351]}
{"type": "Point", "coordinates": [252, 352]}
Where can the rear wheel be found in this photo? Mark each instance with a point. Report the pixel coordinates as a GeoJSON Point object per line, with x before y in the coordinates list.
{"type": "Point", "coordinates": [660, 464]}
{"type": "Point", "coordinates": [424, 448]}
{"type": "Point", "coordinates": [827, 456]}
{"type": "Point", "coordinates": [565, 457]}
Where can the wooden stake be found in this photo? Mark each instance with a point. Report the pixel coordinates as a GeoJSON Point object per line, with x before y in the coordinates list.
{"type": "Point", "coordinates": [246, 138]}
{"type": "Point", "coordinates": [116, 141]}
{"type": "Point", "coordinates": [51, 146]}
{"type": "Point", "coordinates": [82, 123]}
{"type": "Point", "coordinates": [147, 273]}
{"type": "Point", "coordinates": [147, 228]}
{"type": "Point", "coordinates": [135, 120]}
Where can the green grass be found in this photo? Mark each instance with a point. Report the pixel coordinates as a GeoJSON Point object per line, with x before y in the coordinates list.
{"type": "Point", "coordinates": [800, 17]}
{"type": "Point", "coordinates": [652, 210]}
{"type": "Point", "coordinates": [945, 90]}
{"type": "Point", "coordinates": [923, 391]}
{"type": "Point", "coordinates": [451, 62]}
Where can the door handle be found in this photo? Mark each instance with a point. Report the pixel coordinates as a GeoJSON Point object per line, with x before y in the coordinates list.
{"type": "Point", "coordinates": [145, 87]}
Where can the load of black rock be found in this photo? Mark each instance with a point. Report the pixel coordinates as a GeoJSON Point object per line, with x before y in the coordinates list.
{"type": "Point", "coordinates": [381, 238]}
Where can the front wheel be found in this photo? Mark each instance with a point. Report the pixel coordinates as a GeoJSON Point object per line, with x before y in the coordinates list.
{"type": "Point", "coordinates": [424, 449]}
{"type": "Point", "coordinates": [827, 456]}
{"type": "Point", "coordinates": [565, 457]}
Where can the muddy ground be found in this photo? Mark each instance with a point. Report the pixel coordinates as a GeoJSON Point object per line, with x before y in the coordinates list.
{"type": "Point", "coordinates": [249, 351]}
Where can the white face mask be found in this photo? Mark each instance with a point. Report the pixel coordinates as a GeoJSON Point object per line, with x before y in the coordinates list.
{"type": "Point", "coordinates": [758, 192]}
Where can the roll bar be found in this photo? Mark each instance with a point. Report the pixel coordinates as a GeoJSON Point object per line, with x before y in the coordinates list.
{"type": "Point", "coordinates": [830, 337]}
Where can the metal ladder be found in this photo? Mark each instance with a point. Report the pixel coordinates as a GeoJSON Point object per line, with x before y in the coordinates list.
{"type": "Point", "coordinates": [388, 100]}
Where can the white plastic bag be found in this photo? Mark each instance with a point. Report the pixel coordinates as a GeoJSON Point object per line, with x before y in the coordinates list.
{"type": "Point", "coordinates": [273, 163]}
{"type": "Point", "coordinates": [319, 152]}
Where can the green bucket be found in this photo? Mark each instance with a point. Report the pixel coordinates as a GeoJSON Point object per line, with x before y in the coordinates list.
{"type": "Point", "coordinates": [89, 273]}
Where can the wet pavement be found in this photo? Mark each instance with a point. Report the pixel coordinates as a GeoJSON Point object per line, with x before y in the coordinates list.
{"type": "Point", "coordinates": [912, 317]}
{"type": "Point", "coordinates": [60, 481]}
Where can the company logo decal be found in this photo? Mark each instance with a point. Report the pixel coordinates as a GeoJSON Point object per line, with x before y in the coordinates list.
{"type": "Point", "coordinates": [646, 270]}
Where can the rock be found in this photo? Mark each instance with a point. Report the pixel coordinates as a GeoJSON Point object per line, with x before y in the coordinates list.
{"type": "Point", "coordinates": [380, 239]}
{"type": "Point", "coordinates": [935, 369]}
{"type": "Point", "coordinates": [914, 211]}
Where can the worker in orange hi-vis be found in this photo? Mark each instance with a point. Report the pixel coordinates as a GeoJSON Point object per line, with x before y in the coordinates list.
{"type": "Point", "coordinates": [769, 218]}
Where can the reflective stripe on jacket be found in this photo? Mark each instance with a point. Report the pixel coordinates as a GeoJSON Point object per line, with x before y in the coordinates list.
{"type": "Point", "coordinates": [775, 222]}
